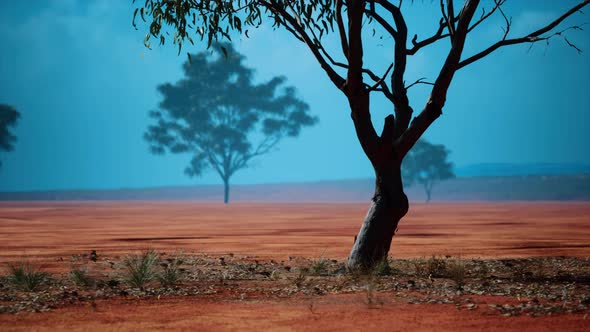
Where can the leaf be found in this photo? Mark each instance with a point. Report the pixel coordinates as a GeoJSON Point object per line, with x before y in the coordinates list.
{"type": "Point", "coordinates": [224, 50]}
{"type": "Point", "coordinates": [134, 15]}
{"type": "Point", "coordinates": [190, 59]}
{"type": "Point", "coordinates": [247, 34]}
{"type": "Point", "coordinates": [238, 23]}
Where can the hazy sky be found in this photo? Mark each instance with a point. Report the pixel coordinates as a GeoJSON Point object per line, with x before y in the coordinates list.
{"type": "Point", "coordinates": [84, 83]}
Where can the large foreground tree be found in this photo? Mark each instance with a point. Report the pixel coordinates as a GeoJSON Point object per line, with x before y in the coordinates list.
{"type": "Point", "coordinates": [8, 119]}
{"type": "Point", "coordinates": [219, 116]}
{"type": "Point", "coordinates": [352, 22]}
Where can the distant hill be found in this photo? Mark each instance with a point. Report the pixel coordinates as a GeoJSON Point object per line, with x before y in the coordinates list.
{"type": "Point", "coordinates": [507, 169]}
{"type": "Point", "coordinates": [504, 188]}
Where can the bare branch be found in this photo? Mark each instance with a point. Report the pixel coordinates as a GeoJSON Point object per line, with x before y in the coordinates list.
{"type": "Point", "coordinates": [433, 108]}
{"type": "Point", "coordinates": [371, 12]}
{"type": "Point", "coordinates": [451, 15]}
{"type": "Point", "coordinates": [341, 30]}
{"type": "Point", "coordinates": [278, 10]}
{"type": "Point", "coordinates": [403, 111]}
{"type": "Point", "coordinates": [485, 16]}
{"type": "Point", "coordinates": [530, 38]}
{"type": "Point", "coordinates": [438, 35]}
{"type": "Point", "coordinates": [378, 83]}
{"type": "Point", "coordinates": [419, 81]}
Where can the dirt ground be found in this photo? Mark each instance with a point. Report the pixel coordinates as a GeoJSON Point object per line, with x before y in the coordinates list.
{"type": "Point", "coordinates": [51, 232]}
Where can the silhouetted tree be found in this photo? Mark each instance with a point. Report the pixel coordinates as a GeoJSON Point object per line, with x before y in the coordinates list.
{"type": "Point", "coordinates": [8, 119]}
{"type": "Point", "coordinates": [354, 22]}
{"type": "Point", "coordinates": [426, 164]}
{"type": "Point", "coordinates": [219, 116]}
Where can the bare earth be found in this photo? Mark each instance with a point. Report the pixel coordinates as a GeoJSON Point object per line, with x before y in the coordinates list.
{"type": "Point", "coordinates": [50, 232]}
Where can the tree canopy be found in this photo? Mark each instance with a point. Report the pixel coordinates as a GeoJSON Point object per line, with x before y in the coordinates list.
{"type": "Point", "coordinates": [221, 117]}
{"type": "Point", "coordinates": [426, 164]}
{"type": "Point", "coordinates": [8, 118]}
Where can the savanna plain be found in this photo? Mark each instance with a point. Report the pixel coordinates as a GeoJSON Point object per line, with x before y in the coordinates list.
{"type": "Point", "coordinates": [140, 266]}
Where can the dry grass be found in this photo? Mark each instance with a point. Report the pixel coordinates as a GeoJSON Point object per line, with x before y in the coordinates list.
{"type": "Point", "coordinates": [140, 269]}
{"type": "Point", "coordinates": [26, 276]}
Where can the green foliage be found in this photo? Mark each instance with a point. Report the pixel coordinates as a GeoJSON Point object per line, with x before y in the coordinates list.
{"type": "Point", "coordinates": [80, 277]}
{"type": "Point", "coordinates": [140, 269]}
{"type": "Point", "coordinates": [8, 119]}
{"type": "Point", "coordinates": [26, 276]}
{"type": "Point", "coordinates": [219, 116]}
{"type": "Point", "coordinates": [425, 164]}
{"type": "Point", "coordinates": [456, 271]}
{"type": "Point", "coordinates": [319, 267]}
{"type": "Point", "coordinates": [436, 267]}
{"type": "Point", "coordinates": [171, 274]}
{"type": "Point", "coordinates": [383, 268]}
{"type": "Point", "coordinates": [213, 21]}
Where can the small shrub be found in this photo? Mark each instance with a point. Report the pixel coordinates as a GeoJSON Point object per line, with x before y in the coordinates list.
{"type": "Point", "coordinates": [26, 276]}
{"type": "Point", "coordinates": [456, 272]}
{"type": "Point", "coordinates": [382, 268]}
{"type": "Point", "coordinates": [436, 267]}
{"type": "Point", "coordinates": [140, 269]}
{"type": "Point", "coordinates": [171, 274]}
{"type": "Point", "coordinates": [80, 277]}
{"type": "Point", "coordinates": [301, 277]}
{"type": "Point", "coordinates": [319, 267]}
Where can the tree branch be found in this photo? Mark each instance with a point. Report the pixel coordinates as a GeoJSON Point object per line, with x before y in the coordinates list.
{"type": "Point", "coordinates": [530, 38]}
{"type": "Point", "coordinates": [438, 95]}
{"type": "Point", "coordinates": [277, 9]}
{"type": "Point", "coordinates": [341, 30]}
{"type": "Point", "coordinates": [438, 35]}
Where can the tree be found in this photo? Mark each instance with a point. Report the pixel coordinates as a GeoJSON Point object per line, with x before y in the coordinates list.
{"type": "Point", "coordinates": [352, 22]}
{"type": "Point", "coordinates": [8, 119]}
{"type": "Point", "coordinates": [219, 116]}
{"type": "Point", "coordinates": [426, 164]}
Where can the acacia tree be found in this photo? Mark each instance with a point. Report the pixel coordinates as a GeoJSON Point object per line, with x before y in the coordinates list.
{"type": "Point", "coordinates": [219, 116]}
{"type": "Point", "coordinates": [8, 119]}
{"type": "Point", "coordinates": [426, 164]}
{"type": "Point", "coordinates": [309, 22]}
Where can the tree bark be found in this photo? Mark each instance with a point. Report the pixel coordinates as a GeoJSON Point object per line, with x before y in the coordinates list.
{"type": "Point", "coordinates": [388, 206]}
{"type": "Point", "coordinates": [225, 191]}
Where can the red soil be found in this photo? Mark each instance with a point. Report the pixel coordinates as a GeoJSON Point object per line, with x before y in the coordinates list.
{"type": "Point", "coordinates": [327, 313]}
{"type": "Point", "coordinates": [48, 231]}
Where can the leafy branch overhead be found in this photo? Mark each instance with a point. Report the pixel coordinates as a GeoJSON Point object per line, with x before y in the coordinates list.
{"type": "Point", "coordinates": [219, 116]}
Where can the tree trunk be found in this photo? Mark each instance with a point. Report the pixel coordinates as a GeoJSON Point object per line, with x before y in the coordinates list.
{"type": "Point", "coordinates": [388, 206]}
{"type": "Point", "coordinates": [225, 191]}
{"type": "Point", "coordinates": [428, 192]}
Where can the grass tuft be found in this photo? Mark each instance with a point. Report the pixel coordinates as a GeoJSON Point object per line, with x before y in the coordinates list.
{"type": "Point", "coordinates": [140, 269]}
{"type": "Point", "coordinates": [456, 272]}
{"type": "Point", "coordinates": [382, 268]}
{"type": "Point", "coordinates": [319, 267]}
{"type": "Point", "coordinates": [171, 274]}
{"type": "Point", "coordinates": [80, 277]}
{"type": "Point", "coordinates": [26, 276]}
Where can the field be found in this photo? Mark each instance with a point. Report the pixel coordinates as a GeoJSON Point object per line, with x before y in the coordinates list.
{"type": "Point", "coordinates": [257, 266]}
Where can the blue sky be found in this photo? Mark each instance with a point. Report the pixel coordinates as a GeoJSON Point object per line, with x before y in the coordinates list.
{"type": "Point", "coordinates": [83, 81]}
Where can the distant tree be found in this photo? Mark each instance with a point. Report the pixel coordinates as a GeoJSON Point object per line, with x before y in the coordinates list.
{"type": "Point", "coordinates": [354, 24]}
{"type": "Point", "coordinates": [426, 164]}
{"type": "Point", "coordinates": [217, 114]}
{"type": "Point", "coordinates": [8, 119]}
